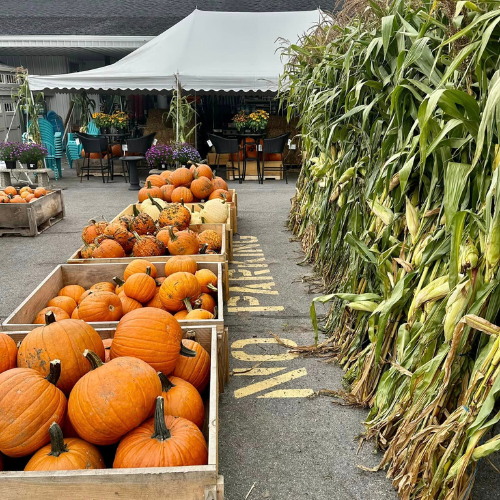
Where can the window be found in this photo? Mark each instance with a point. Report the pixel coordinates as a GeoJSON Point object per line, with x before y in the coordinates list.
{"type": "Point", "coordinates": [9, 107]}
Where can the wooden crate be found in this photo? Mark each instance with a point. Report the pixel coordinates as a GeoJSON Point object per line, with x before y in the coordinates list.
{"type": "Point", "coordinates": [159, 483]}
{"type": "Point", "coordinates": [30, 219]}
{"type": "Point", "coordinates": [251, 172]}
{"type": "Point", "coordinates": [86, 275]}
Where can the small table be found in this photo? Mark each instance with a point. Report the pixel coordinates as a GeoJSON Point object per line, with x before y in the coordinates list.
{"type": "Point", "coordinates": [132, 170]}
{"type": "Point", "coordinates": [256, 136]}
{"type": "Point", "coordinates": [41, 175]}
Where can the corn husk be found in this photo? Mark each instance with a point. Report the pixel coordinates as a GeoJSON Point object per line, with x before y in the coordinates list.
{"type": "Point", "coordinates": [412, 218]}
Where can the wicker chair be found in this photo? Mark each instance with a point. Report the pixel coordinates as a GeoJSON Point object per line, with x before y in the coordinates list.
{"type": "Point", "coordinates": [97, 145]}
{"type": "Point", "coordinates": [274, 145]}
{"type": "Point", "coordinates": [227, 146]}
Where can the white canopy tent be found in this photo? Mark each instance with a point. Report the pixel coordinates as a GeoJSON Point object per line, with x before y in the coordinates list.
{"type": "Point", "coordinates": [206, 51]}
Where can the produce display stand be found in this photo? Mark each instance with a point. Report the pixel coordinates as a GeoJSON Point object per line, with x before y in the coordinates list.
{"type": "Point", "coordinates": [87, 275]}
{"type": "Point", "coordinates": [30, 219]}
{"type": "Point", "coordinates": [161, 483]}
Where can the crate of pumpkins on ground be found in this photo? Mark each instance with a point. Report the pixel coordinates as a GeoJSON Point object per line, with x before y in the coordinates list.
{"type": "Point", "coordinates": [102, 294]}
{"type": "Point", "coordinates": [130, 412]}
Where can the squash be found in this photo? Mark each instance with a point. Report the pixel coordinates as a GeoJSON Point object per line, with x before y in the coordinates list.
{"type": "Point", "coordinates": [162, 442]}
{"type": "Point", "coordinates": [178, 290]}
{"type": "Point", "coordinates": [126, 384]}
{"type": "Point", "coordinates": [117, 232]}
{"type": "Point", "coordinates": [109, 249]}
{"type": "Point", "coordinates": [8, 353]}
{"type": "Point", "coordinates": [219, 183]}
{"type": "Point", "coordinates": [183, 243]}
{"type": "Point", "coordinates": [140, 286]}
{"type": "Point", "coordinates": [167, 191]}
{"type": "Point", "coordinates": [222, 194]}
{"type": "Point", "coordinates": [182, 194]}
{"type": "Point", "coordinates": [92, 230]}
{"type": "Point", "coordinates": [59, 314]}
{"type": "Point", "coordinates": [65, 340]}
{"type": "Point", "coordinates": [65, 454]}
{"type": "Point", "coordinates": [205, 301]}
{"type": "Point", "coordinates": [164, 234]}
{"type": "Point", "coordinates": [211, 239]}
{"type": "Point", "coordinates": [202, 187]}
{"type": "Point", "coordinates": [148, 246]}
{"type": "Point", "coordinates": [103, 286]}
{"type": "Point", "coordinates": [142, 223]}
{"type": "Point", "coordinates": [139, 266]}
{"type": "Point", "coordinates": [196, 218]}
{"type": "Point", "coordinates": [203, 170]}
{"type": "Point", "coordinates": [29, 403]}
{"type": "Point", "coordinates": [100, 306]}
{"type": "Point", "coordinates": [73, 291]}
{"type": "Point", "coordinates": [195, 370]}
{"type": "Point", "coordinates": [215, 211]}
{"type": "Point", "coordinates": [175, 215]}
{"type": "Point", "coordinates": [166, 174]}
{"type": "Point", "coordinates": [149, 189]}
{"type": "Point", "coordinates": [180, 263]}
{"type": "Point", "coordinates": [181, 177]}
{"type": "Point", "coordinates": [129, 304]}
{"type": "Point", "coordinates": [156, 180]}
{"type": "Point", "coordinates": [153, 207]}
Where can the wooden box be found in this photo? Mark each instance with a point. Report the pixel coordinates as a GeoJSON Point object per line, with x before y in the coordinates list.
{"type": "Point", "coordinates": [251, 171]}
{"type": "Point", "coordinates": [30, 219]}
{"type": "Point", "coordinates": [87, 275]}
{"type": "Point", "coordinates": [161, 483]}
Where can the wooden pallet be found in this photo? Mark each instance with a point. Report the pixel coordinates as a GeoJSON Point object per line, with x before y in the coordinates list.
{"type": "Point", "coordinates": [87, 275]}
{"type": "Point", "coordinates": [31, 219]}
{"type": "Point", "coordinates": [161, 483]}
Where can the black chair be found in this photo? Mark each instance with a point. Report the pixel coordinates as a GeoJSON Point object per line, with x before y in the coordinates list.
{"type": "Point", "coordinates": [225, 146]}
{"type": "Point", "coordinates": [140, 145]}
{"type": "Point", "coordinates": [274, 145]}
{"type": "Point", "coordinates": [99, 145]}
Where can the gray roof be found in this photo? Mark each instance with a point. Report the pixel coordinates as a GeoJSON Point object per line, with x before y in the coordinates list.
{"type": "Point", "coordinates": [124, 17]}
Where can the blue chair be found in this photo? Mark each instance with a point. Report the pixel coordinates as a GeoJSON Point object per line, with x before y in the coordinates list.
{"type": "Point", "coordinates": [73, 150]}
{"type": "Point", "coordinates": [53, 142]}
{"type": "Point", "coordinates": [92, 128]}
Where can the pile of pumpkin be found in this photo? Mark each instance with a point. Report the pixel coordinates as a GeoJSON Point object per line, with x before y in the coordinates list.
{"type": "Point", "coordinates": [153, 232]}
{"type": "Point", "coordinates": [63, 401]}
{"type": "Point", "coordinates": [186, 185]}
{"type": "Point", "coordinates": [24, 195]}
{"type": "Point", "coordinates": [186, 291]}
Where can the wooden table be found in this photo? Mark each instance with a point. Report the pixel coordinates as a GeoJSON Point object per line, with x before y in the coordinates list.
{"type": "Point", "coordinates": [41, 174]}
{"type": "Point", "coordinates": [132, 170]}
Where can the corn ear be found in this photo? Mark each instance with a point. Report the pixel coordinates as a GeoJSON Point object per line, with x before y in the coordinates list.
{"type": "Point", "coordinates": [383, 213]}
{"type": "Point", "coordinates": [365, 306]}
{"type": "Point", "coordinates": [469, 256]}
{"type": "Point", "coordinates": [412, 218]}
{"type": "Point", "coordinates": [493, 243]}
{"type": "Point", "coordinates": [347, 175]}
{"type": "Point", "coordinates": [435, 290]}
{"type": "Point", "coordinates": [454, 309]}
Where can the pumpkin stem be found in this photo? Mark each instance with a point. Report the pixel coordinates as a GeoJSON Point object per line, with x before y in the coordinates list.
{"type": "Point", "coordinates": [49, 318]}
{"type": "Point", "coordinates": [201, 206]}
{"type": "Point", "coordinates": [204, 247]}
{"type": "Point", "coordinates": [94, 360]}
{"type": "Point", "coordinates": [192, 210]}
{"type": "Point", "coordinates": [182, 201]}
{"type": "Point", "coordinates": [213, 288]}
{"type": "Point", "coordinates": [118, 281]}
{"type": "Point", "coordinates": [161, 431]}
{"type": "Point", "coordinates": [215, 312]}
{"type": "Point", "coordinates": [148, 270]}
{"type": "Point", "coordinates": [148, 184]}
{"type": "Point", "coordinates": [166, 385]}
{"type": "Point", "coordinates": [203, 220]}
{"type": "Point", "coordinates": [155, 203]}
{"type": "Point", "coordinates": [187, 303]}
{"type": "Point", "coordinates": [135, 211]}
{"type": "Point", "coordinates": [55, 371]}
{"type": "Point", "coordinates": [57, 445]}
{"type": "Point", "coordinates": [186, 352]}
{"type": "Point", "coordinates": [136, 234]}
{"type": "Point", "coordinates": [171, 232]}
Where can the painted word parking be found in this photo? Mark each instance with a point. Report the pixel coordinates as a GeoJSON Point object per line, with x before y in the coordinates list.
{"type": "Point", "coordinates": [250, 285]}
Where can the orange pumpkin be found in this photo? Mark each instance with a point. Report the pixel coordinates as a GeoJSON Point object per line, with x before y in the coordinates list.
{"type": "Point", "coordinates": [164, 235]}
{"type": "Point", "coordinates": [181, 314]}
{"type": "Point", "coordinates": [180, 263]}
{"type": "Point", "coordinates": [10, 190]}
{"type": "Point", "coordinates": [211, 238]}
{"type": "Point", "coordinates": [183, 243]}
{"type": "Point", "coordinates": [150, 334]}
{"type": "Point", "coordinates": [85, 295]}
{"type": "Point", "coordinates": [74, 314]}
{"type": "Point", "coordinates": [201, 187]}
{"type": "Point", "coordinates": [127, 384]}
{"type": "Point", "coordinates": [129, 304]}
{"type": "Point", "coordinates": [59, 314]}
{"type": "Point", "coordinates": [107, 348]}
{"type": "Point", "coordinates": [66, 303]}
{"type": "Point", "coordinates": [100, 306]}
{"type": "Point", "coordinates": [119, 284]}
{"type": "Point", "coordinates": [219, 183]}
{"type": "Point", "coordinates": [178, 290]}
{"type": "Point", "coordinates": [87, 251]}
{"type": "Point", "coordinates": [103, 286]}
{"type": "Point", "coordinates": [182, 400]}
{"type": "Point", "coordinates": [25, 188]}
{"type": "Point", "coordinates": [25, 194]}
{"type": "Point", "coordinates": [140, 286]}
{"type": "Point", "coordinates": [199, 314]}
{"type": "Point", "coordinates": [30, 197]}
{"type": "Point", "coordinates": [148, 246]}
{"type": "Point", "coordinates": [139, 266]}
{"type": "Point", "coordinates": [203, 170]}
{"type": "Point", "coordinates": [166, 174]}
{"type": "Point", "coordinates": [117, 232]}
{"type": "Point", "coordinates": [73, 291]}
{"type": "Point", "coordinates": [18, 199]}
{"type": "Point", "coordinates": [65, 340]}
{"type": "Point", "coordinates": [143, 224]}
{"type": "Point", "coordinates": [221, 193]}
{"type": "Point", "coordinates": [39, 192]}
{"type": "Point", "coordinates": [149, 189]}
{"type": "Point", "coordinates": [109, 249]}
{"type": "Point", "coordinates": [116, 150]}
{"type": "Point", "coordinates": [175, 215]}
{"type": "Point", "coordinates": [207, 280]}
{"type": "Point", "coordinates": [195, 370]}
{"type": "Point", "coordinates": [4, 199]}
{"type": "Point", "coordinates": [181, 177]}
{"type": "Point", "coordinates": [162, 441]}
{"type": "Point", "coordinates": [65, 454]}
{"type": "Point", "coordinates": [29, 403]}
{"type": "Point", "coordinates": [205, 301]}
{"type": "Point", "coordinates": [156, 180]}
{"type": "Point", "coordinates": [182, 194]}
{"type": "Point", "coordinates": [92, 230]}
{"type": "Point", "coordinates": [166, 192]}
{"type": "Point", "coordinates": [8, 353]}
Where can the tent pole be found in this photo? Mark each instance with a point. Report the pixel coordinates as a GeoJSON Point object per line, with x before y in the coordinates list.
{"type": "Point", "coordinates": [195, 124]}
{"type": "Point", "coordinates": [178, 108]}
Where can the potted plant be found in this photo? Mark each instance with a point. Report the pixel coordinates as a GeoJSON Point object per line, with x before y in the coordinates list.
{"type": "Point", "coordinates": [120, 120]}
{"type": "Point", "coordinates": [257, 121]}
{"type": "Point", "coordinates": [8, 154]}
{"type": "Point", "coordinates": [185, 153]}
{"type": "Point", "coordinates": [102, 121]}
{"type": "Point", "coordinates": [160, 156]}
{"type": "Point", "coordinates": [240, 121]}
{"type": "Point", "coordinates": [31, 153]}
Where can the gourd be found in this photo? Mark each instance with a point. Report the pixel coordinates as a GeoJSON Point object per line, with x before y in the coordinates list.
{"type": "Point", "coordinates": [153, 207]}
{"type": "Point", "coordinates": [215, 211]}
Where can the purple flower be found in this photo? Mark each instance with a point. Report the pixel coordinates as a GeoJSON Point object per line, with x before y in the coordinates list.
{"type": "Point", "coordinates": [170, 153]}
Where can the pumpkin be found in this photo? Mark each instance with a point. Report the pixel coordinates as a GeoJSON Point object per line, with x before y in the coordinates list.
{"type": "Point", "coordinates": [183, 243]}
{"type": "Point", "coordinates": [199, 314]}
{"type": "Point", "coordinates": [182, 400]}
{"type": "Point", "coordinates": [29, 403]}
{"type": "Point", "coordinates": [201, 187]}
{"type": "Point", "coordinates": [180, 263]}
{"type": "Point", "coordinates": [175, 215]}
{"type": "Point", "coordinates": [18, 199]}
{"type": "Point", "coordinates": [195, 370]}
{"type": "Point", "coordinates": [167, 191]}
{"type": "Point", "coordinates": [153, 207]}
{"type": "Point", "coordinates": [203, 170]}
{"type": "Point", "coordinates": [92, 230]}
{"type": "Point", "coordinates": [181, 177]}
{"type": "Point", "coordinates": [25, 194]}
{"type": "Point", "coordinates": [215, 211]}
{"type": "Point", "coordinates": [103, 286]}
{"type": "Point", "coordinates": [162, 441]}
{"type": "Point", "coordinates": [129, 304]}
{"type": "Point", "coordinates": [139, 266]}
{"type": "Point", "coordinates": [116, 150]}
{"type": "Point", "coordinates": [129, 385]}
{"type": "Point", "coordinates": [100, 306]}
{"type": "Point", "coordinates": [211, 239]}
{"type": "Point", "coordinates": [119, 284]}
{"type": "Point", "coordinates": [205, 301]}
{"type": "Point", "coordinates": [196, 218]}
{"type": "Point", "coordinates": [149, 189]}
{"type": "Point", "coordinates": [30, 197]}
{"type": "Point", "coordinates": [152, 335]}
{"type": "Point", "coordinates": [10, 191]}
{"type": "Point", "coordinates": [140, 286]}
{"type": "Point", "coordinates": [222, 194]}
{"type": "Point", "coordinates": [65, 340]}
{"type": "Point", "coordinates": [8, 353]}
{"type": "Point", "coordinates": [156, 180]}
{"type": "Point", "coordinates": [178, 290]}
{"type": "Point", "coordinates": [59, 314]}
{"type": "Point", "coordinates": [164, 235]}
{"type": "Point", "coordinates": [143, 224]}
{"type": "Point", "coordinates": [166, 174]}
{"type": "Point", "coordinates": [85, 295]}
{"type": "Point", "coordinates": [219, 183]}
{"type": "Point", "coordinates": [65, 454]}
{"type": "Point", "coordinates": [87, 251]}
{"type": "Point", "coordinates": [73, 291]}
{"type": "Point", "coordinates": [180, 315]}
{"type": "Point", "coordinates": [155, 301]}
{"type": "Point", "coordinates": [109, 249]}
{"type": "Point", "coordinates": [74, 314]}
{"type": "Point", "coordinates": [4, 199]}
{"type": "Point", "coordinates": [148, 246]}
{"type": "Point", "coordinates": [25, 188]}
{"type": "Point", "coordinates": [117, 232]}
{"type": "Point", "coordinates": [107, 355]}
{"type": "Point", "coordinates": [39, 192]}
{"type": "Point", "coordinates": [126, 220]}
{"type": "Point", "coordinates": [182, 194]}
{"type": "Point", "coordinates": [129, 244]}
{"type": "Point", "coordinates": [66, 303]}
{"type": "Point", "coordinates": [207, 280]}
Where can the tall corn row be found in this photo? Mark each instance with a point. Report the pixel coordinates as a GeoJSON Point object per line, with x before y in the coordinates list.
{"type": "Point", "coordinates": [396, 206]}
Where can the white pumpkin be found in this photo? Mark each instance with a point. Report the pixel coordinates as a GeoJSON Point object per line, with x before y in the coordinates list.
{"type": "Point", "coordinates": [215, 211]}
{"type": "Point", "coordinates": [196, 218]}
{"type": "Point", "coordinates": [152, 207]}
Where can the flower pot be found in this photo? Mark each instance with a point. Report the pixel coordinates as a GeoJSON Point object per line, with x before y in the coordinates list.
{"type": "Point", "coordinates": [10, 164]}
